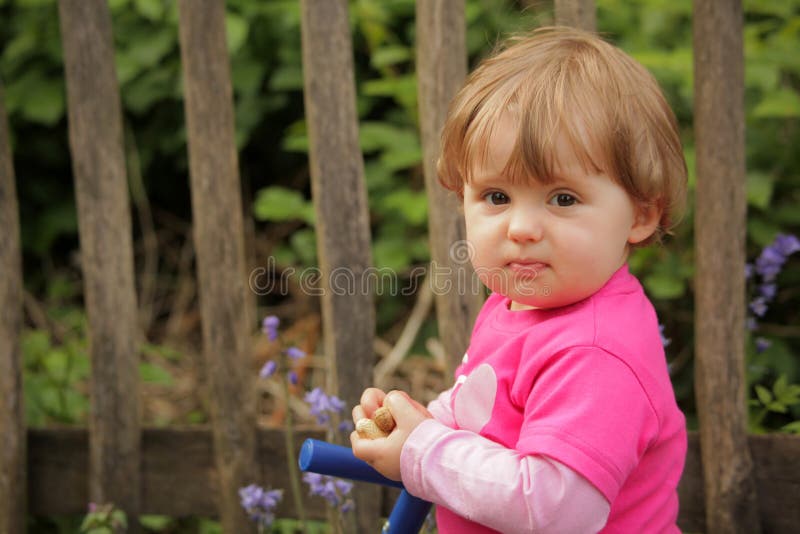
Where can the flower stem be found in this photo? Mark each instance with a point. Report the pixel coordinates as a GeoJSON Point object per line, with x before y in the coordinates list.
{"type": "Point", "coordinates": [294, 474]}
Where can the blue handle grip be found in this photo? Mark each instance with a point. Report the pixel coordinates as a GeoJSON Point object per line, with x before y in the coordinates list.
{"type": "Point", "coordinates": [337, 461]}
{"type": "Point", "coordinates": [317, 456]}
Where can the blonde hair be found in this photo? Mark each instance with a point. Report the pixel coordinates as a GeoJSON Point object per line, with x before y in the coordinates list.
{"type": "Point", "coordinates": [562, 81]}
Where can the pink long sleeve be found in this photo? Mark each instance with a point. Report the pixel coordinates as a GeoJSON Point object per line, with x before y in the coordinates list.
{"type": "Point", "coordinates": [440, 409]}
{"type": "Point", "coordinates": [489, 484]}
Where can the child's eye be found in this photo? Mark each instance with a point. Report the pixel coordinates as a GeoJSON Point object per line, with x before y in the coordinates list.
{"type": "Point", "coordinates": [563, 200]}
{"type": "Point", "coordinates": [496, 198]}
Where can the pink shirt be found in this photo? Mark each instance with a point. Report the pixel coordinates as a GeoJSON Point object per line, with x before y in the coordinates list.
{"type": "Point", "coordinates": [546, 400]}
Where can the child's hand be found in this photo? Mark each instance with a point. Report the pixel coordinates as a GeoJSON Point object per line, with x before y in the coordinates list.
{"type": "Point", "coordinates": [384, 453]}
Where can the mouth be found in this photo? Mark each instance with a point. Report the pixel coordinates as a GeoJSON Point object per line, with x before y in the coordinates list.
{"type": "Point", "coordinates": [527, 269]}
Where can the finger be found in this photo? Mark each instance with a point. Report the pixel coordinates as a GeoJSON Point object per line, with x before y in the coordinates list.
{"type": "Point", "coordinates": [364, 449]}
{"type": "Point", "coordinates": [404, 408]}
{"type": "Point", "coordinates": [358, 413]}
{"type": "Point", "coordinates": [371, 400]}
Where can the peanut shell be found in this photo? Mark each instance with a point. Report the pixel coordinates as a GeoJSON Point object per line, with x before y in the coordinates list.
{"type": "Point", "coordinates": [383, 418]}
{"type": "Point", "coordinates": [367, 429]}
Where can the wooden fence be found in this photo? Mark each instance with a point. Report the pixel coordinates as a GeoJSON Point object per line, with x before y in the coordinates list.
{"type": "Point", "coordinates": [733, 482]}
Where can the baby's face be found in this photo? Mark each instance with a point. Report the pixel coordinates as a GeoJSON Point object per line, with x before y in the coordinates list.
{"type": "Point", "coordinates": [547, 245]}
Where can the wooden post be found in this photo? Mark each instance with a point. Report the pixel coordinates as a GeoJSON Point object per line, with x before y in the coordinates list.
{"type": "Point", "coordinates": [340, 199]}
{"type": "Point", "coordinates": [13, 480]}
{"type": "Point", "coordinates": [219, 242]}
{"type": "Point", "coordinates": [441, 69]}
{"type": "Point", "coordinates": [576, 13]}
{"type": "Point", "coordinates": [104, 219]}
{"type": "Point", "coordinates": [720, 380]}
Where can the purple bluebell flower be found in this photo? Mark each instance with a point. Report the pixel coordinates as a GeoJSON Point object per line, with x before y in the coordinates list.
{"type": "Point", "coordinates": [321, 403]}
{"type": "Point", "coordinates": [767, 291]}
{"type": "Point", "coordinates": [260, 503]}
{"type": "Point", "coordinates": [343, 486]}
{"type": "Point", "coordinates": [758, 306]}
{"type": "Point", "coordinates": [295, 353]}
{"type": "Point", "coordinates": [347, 506]}
{"type": "Point", "coordinates": [334, 490]}
{"type": "Point", "coordinates": [270, 327]}
{"type": "Point", "coordinates": [769, 264]}
{"type": "Point", "coordinates": [762, 344]}
{"type": "Point", "coordinates": [346, 426]}
{"type": "Point", "coordinates": [786, 244]}
{"type": "Point", "coordinates": [291, 376]}
{"type": "Point", "coordinates": [268, 369]}
{"type": "Point", "coordinates": [665, 341]}
{"type": "Point", "coordinates": [750, 323]}
{"type": "Point", "coordinates": [323, 486]}
{"type": "Point", "coordinates": [748, 271]}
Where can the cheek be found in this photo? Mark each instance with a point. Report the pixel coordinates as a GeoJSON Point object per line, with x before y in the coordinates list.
{"type": "Point", "coordinates": [479, 239]}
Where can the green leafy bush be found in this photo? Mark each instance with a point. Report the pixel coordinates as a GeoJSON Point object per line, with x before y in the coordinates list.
{"type": "Point", "coordinates": [265, 51]}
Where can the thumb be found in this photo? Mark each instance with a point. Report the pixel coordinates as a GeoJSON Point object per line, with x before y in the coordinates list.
{"type": "Point", "coordinates": [404, 410]}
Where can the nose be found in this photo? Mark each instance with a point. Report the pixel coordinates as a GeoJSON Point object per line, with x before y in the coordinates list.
{"type": "Point", "coordinates": [525, 224]}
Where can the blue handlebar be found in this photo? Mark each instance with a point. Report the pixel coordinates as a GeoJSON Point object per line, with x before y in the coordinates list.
{"type": "Point", "coordinates": [317, 456]}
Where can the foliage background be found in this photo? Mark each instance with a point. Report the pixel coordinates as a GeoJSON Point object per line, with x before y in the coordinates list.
{"type": "Point", "coordinates": [264, 43]}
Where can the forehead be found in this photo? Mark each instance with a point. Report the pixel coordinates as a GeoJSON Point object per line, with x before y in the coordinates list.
{"type": "Point", "coordinates": [512, 153]}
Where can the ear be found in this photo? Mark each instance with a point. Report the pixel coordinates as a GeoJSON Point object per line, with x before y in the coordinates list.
{"type": "Point", "coordinates": [645, 224]}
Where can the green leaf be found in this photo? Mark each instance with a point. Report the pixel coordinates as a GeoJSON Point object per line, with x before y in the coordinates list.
{"type": "Point", "coordinates": [391, 254]}
{"type": "Point", "coordinates": [76, 406]}
{"type": "Point", "coordinates": [373, 136]}
{"type": "Point", "coordinates": [56, 363]}
{"type": "Point", "coordinates": [762, 230]}
{"type": "Point", "coordinates": [247, 74]}
{"type": "Point", "coordinates": [759, 189]}
{"type": "Point", "coordinates": [196, 417]}
{"type": "Point", "coordinates": [155, 522]}
{"type": "Point", "coordinates": [778, 8]}
{"type": "Point", "coordinates": [296, 138]}
{"type": "Point", "coordinates": [236, 29]}
{"type": "Point", "coordinates": [403, 89]}
{"type": "Point", "coordinates": [154, 374]}
{"type": "Point", "coordinates": [785, 393]}
{"type": "Point", "coordinates": [304, 246]}
{"type": "Point", "coordinates": [664, 285]}
{"type": "Point", "coordinates": [764, 395]}
{"type": "Point", "coordinates": [776, 407]}
{"type": "Point", "coordinates": [286, 78]}
{"type": "Point", "coordinates": [150, 9]}
{"type": "Point", "coordinates": [147, 50]}
{"type": "Point", "coordinates": [43, 101]}
{"type": "Point", "coordinates": [780, 386]}
{"type": "Point", "coordinates": [792, 428]}
{"type": "Point", "coordinates": [402, 158]}
{"type": "Point", "coordinates": [161, 351]}
{"type": "Point", "coordinates": [783, 103]}
{"type": "Point", "coordinates": [412, 205]}
{"type": "Point", "coordinates": [276, 203]}
{"type": "Point", "coordinates": [144, 91]}
{"type": "Point", "coordinates": [390, 55]}
{"type": "Point", "coordinates": [35, 344]}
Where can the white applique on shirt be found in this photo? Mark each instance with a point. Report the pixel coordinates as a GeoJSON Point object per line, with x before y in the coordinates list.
{"type": "Point", "coordinates": [474, 401]}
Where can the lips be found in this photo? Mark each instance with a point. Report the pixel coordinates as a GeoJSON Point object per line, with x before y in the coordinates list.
{"type": "Point", "coordinates": [529, 269]}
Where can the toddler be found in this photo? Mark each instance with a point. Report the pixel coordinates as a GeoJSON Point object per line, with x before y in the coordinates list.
{"type": "Point", "coordinates": [562, 417]}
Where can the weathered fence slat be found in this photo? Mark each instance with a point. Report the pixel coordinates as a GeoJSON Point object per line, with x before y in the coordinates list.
{"type": "Point", "coordinates": [219, 242]}
{"type": "Point", "coordinates": [98, 162]}
{"type": "Point", "coordinates": [13, 482]}
{"type": "Point", "coordinates": [441, 69]}
{"type": "Point", "coordinates": [340, 200]}
{"type": "Point", "coordinates": [576, 13]}
{"type": "Point", "coordinates": [720, 380]}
